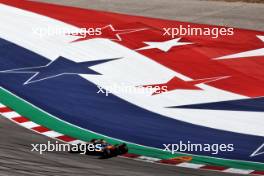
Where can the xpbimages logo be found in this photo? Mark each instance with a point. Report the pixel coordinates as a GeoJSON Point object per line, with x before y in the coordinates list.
{"type": "Point", "coordinates": [82, 148]}
{"type": "Point", "coordinates": [198, 31]}
{"type": "Point", "coordinates": [192, 147]}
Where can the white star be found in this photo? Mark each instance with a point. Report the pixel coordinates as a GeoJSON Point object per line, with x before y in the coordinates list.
{"type": "Point", "coordinates": [251, 53]}
{"type": "Point", "coordinates": [108, 32]}
{"type": "Point", "coordinates": [123, 31]}
{"type": "Point", "coordinates": [165, 45]}
{"type": "Point", "coordinates": [259, 151]}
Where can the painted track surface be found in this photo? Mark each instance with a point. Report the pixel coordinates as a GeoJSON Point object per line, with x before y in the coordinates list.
{"type": "Point", "coordinates": [17, 159]}
{"type": "Point", "coordinates": [79, 165]}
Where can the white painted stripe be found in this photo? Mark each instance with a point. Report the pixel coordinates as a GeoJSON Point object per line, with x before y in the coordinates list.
{"type": "Point", "coordinates": [52, 134]}
{"type": "Point", "coordinates": [238, 171]}
{"type": "Point", "coordinates": [29, 124]}
{"type": "Point", "coordinates": [190, 165]}
{"type": "Point", "coordinates": [11, 114]}
{"type": "Point", "coordinates": [2, 106]}
{"type": "Point", "coordinates": [148, 159]}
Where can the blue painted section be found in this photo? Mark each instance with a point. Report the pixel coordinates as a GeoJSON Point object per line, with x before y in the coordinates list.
{"type": "Point", "coordinates": [75, 100]}
{"type": "Point", "coordinates": [252, 104]}
{"type": "Point", "coordinates": [58, 67]}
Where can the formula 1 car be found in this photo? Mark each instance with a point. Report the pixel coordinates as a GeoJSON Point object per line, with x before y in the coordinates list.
{"type": "Point", "coordinates": [102, 148]}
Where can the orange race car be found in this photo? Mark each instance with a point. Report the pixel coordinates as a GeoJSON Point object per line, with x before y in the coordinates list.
{"type": "Point", "coordinates": [101, 148]}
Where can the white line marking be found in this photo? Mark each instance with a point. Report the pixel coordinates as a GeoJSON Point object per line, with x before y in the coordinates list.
{"type": "Point", "coordinates": [29, 124]}
{"type": "Point", "coordinates": [238, 171]}
{"type": "Point", "coordinates": [190, 165]}
{"type": "Point", "coordinates": [11, 114]}
{"type": "Point", "coordinates": [52, 134]}
{"type": "Point", "coordinates": [148, 159]}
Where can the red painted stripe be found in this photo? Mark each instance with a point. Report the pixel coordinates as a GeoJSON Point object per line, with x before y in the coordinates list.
{"type": "Point", "coordinates": [130, 155]}
{"type": "Point", "coordinates": [257, 173]}
{"type": "Point", "coordinates": [216, 168]}
{"type": "Point", "coordinates": [66, 138]}
{"type": "Point", "coordinates": [170, 161]}
{"type": "Point", "coordinates": [20, 119]}
{"type": "Point", "coordinates": [40, 129]}
{"type": "Point", "coordinates": [5, 109]}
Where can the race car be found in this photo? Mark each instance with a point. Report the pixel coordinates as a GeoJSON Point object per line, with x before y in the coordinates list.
{"type": "Point", "coordinates": [101, 148]}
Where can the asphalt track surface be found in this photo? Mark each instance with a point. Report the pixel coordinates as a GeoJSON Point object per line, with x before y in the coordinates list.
{"type": "Point", "coordinates": [16, 159]}
{"type": "Point", "coordinates": [233, 14]}
{"type": "Point", "coordinates": [15, 155]}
